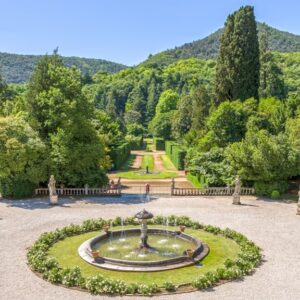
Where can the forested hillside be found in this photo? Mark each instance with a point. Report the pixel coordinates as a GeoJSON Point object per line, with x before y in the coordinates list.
{"type": "Point", "coordinates": [238, 113]}
{"type": "Point", "coordinates": [18, 68]}
{"type": "Point", "coordinates": [208, 47]}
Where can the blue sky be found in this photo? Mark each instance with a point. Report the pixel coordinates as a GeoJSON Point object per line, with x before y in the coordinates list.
{"type": "Point", "coordinates": [124, 31]}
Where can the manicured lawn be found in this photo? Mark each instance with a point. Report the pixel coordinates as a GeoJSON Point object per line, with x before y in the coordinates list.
{"type": "Point", "coordinates": [168, 163]}
{"type": "Point", "coordinates": [65, 252]}
{"type": "Point", "coordinates": [148, 160]}
{"type": "Point", "coordinates": [136, 175]}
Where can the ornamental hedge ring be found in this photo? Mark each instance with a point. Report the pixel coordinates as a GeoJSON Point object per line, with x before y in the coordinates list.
{"type": "Point", "coordinates": [142, 255]}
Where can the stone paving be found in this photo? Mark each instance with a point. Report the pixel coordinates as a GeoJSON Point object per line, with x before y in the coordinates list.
{"type": "Point", "coordinates": [274, 226]}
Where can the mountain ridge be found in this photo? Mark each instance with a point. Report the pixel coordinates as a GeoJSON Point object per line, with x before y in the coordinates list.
{"type": "Point", "coordinates": [17, 68]}
{"type": "Point", "coordinates": [207, 48]}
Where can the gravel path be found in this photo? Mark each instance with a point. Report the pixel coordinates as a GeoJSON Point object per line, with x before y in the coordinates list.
{"type": "Point", "coordinates": [273, 226]}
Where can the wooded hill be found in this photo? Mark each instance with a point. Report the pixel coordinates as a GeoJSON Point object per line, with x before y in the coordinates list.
{"type": "Point", "coordinates": [18, 68]}
{"type": "Point", "coordinates": [208, 47]}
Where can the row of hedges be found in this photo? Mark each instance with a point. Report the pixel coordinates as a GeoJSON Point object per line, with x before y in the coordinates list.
{"type": "Point", "coordinates": [40, 261]}
{"type": "Point", "coordinates": [159, 144]}
{"type": "Point", "coordinates": [119, 155]}
{"type": "Point", "coordinates": [176, 154]}
{"type": "Point", "coordinates": [135, 142]}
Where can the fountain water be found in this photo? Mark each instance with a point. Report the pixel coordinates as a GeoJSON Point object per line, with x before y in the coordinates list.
{"type": "Point", "coordinates": [130, 249]}
{"type": "Point", "coordinates": [123, 234]}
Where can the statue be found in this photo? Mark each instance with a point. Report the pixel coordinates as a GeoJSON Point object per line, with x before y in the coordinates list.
{"type": "Point", "coordinates": [237, 191]}
{"type": "Point", "coordinates": [173, 183]}
{"type": "Point", "coordinates": [298, 205]}
{"type": "Point", "coordinates": [52, 191]}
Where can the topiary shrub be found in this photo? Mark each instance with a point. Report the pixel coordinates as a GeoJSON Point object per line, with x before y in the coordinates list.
{"type": "Point", "coordinates": [275, 194]}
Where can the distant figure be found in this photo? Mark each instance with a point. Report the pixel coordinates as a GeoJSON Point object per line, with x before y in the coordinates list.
{"type": "Point", "coordinates": [112, 184]}
{"type": "Point", "coordinates": [147, 188]}
{"type": "Point", "coordinates": [147, 170]}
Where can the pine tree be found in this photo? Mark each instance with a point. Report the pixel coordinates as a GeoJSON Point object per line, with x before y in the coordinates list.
{"type": "Point", "coordinates": [237, 75]}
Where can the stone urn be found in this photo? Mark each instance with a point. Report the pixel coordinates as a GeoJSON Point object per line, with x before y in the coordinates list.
{"type": "Point", "coordinates": [182, 228]}
{"type": "Point", "coordinates": [106, 227]}
{"type": "Point", "coordinates": [95, 254]}
{"type": "Point", "coordinates": [189, 253]}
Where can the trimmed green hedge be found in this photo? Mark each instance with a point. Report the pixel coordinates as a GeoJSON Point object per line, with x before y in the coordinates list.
{"type": "Point", "coordinates": [40, 261]}
{"type": "Point", "coordinates": [16, 188]}
{"type": "Point", "coordinates": [119, 155]}
{"type": "Point", "coordinates": [176, 154]}
{"type": "Point", "coordinates": [159, 144]}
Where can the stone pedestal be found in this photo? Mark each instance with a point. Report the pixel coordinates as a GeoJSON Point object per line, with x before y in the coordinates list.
{"type": "Point", "coordinates": [54, 199]}
{"type": "Point", "coordinates": [236, 199]}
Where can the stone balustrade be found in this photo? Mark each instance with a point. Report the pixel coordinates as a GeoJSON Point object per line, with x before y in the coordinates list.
{"type": "Point", "coordinates": [211, 191]}
{"type": "Point", "coordinates": [80, 191]}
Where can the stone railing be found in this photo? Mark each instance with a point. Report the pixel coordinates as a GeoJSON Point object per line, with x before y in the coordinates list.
{"type": "Point", "coordinates": [212, 191]}
{"type": "Point", "coordinates": [81, 191]}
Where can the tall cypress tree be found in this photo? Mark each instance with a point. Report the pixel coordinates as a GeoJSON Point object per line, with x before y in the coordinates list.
{"type": "Point", "coordinates": [271, 77]}
{"type": "Point", "coordinates": [237, 75]}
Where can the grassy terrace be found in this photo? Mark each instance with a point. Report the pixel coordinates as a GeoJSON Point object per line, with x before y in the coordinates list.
{"type": "Point", "coordinates": [168, 165]}
{"type": "Point", "coordinates": [220, 249]}
{"type": "Point", "coordinates": [148, 160]}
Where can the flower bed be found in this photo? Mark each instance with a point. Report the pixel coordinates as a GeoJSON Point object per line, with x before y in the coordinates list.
{"type": "Point", "coordinates": [48, 267]}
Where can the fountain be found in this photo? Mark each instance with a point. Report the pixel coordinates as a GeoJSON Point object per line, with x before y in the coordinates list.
{"type": "Point", "coordinates": [143, 250]}
{"type": "Point", "coordinates": [143, 216]}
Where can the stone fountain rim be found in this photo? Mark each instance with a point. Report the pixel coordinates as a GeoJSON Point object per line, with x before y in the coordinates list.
{"type": "Point", "coordinates": [85, 250]}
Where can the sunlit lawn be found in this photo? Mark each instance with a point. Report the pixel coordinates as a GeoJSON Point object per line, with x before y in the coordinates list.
{"type": "Point", "coordinates": [168, 165]}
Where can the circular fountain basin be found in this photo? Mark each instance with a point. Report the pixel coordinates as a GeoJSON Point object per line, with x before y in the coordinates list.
{"type": "Point", "coordinates": [118, 250]}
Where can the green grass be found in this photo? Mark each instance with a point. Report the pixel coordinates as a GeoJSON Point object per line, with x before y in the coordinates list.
{"type": "Point", "coordinates": [168, 163]}
{"type": "Point", "coordinates": [148, 160]}
{"type": "Point", "coordinates": [136, 175]}
{"type": "Point", "coordinates": [194, 181]}
{"type": "Point", "coordinates": [65, 252]}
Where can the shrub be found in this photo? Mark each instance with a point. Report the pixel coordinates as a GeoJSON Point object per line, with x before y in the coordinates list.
{"type": "Point", "coordinates": [119, 155]}
{"type": "Point", "coordinates": [275, 194]}
{"type": "Point", "coordinates": [176, 154]}
{"type": "Point", "coordinates": [169, 286]}
{"type": "Point", "coordinates": [135, 142]}
{"type": "Point", "coordinates": [266, 188]}
{"type": "Point", "coordinates": [159, 144]}
{"type": "Point", "coordinates": [203, 282]}
{"type": "Point", "coordinates": [72, 277]}
{"type": "Point", "coordinates": [17, 188]}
